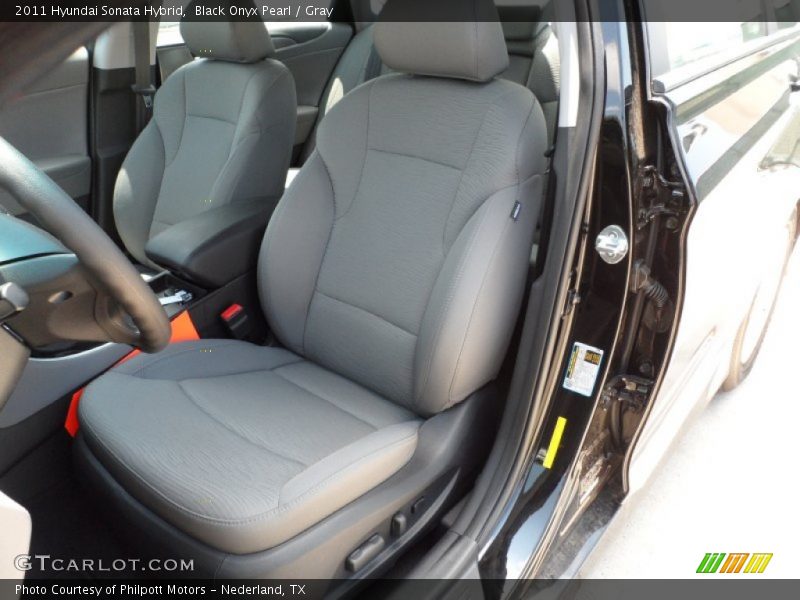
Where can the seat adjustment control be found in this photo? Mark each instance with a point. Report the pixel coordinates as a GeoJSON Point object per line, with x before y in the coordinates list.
{"type": "Point", "coordinates": [365, 553]}
{"type": "Point", "coordinates": [418, 506]}
{"type": "Point", "coordinates": [399, 524]}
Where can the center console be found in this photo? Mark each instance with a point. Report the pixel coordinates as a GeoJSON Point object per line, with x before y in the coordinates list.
{"type": "Point", "coordinates": [215, 247]}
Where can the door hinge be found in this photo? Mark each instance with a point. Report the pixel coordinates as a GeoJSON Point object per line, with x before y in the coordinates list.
{"type": "Point", "coordinates": [661, 197]}
{"type": "Point", "coordinates": [573, 299]}
{"type": "Point", "coordinates": [630, 390]}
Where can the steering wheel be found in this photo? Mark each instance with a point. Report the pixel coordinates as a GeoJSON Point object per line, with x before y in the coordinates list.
{"type": "Point", "coordinates": [108, 270]}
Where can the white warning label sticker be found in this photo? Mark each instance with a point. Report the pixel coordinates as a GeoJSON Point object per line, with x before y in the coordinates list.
{"type": "Point", "coordinates": [583, 368]}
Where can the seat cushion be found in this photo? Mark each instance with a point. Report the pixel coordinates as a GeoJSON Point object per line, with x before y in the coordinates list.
{"type": "Point", "coordinates": [242, 446]}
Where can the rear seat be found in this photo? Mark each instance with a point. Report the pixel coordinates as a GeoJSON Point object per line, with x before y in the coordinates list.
{"type": "Point", "coordinates": [533, 62]}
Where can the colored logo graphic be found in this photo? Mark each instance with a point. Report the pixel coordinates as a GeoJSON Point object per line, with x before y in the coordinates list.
{"type": "Point", "coordinates": [719, 562]}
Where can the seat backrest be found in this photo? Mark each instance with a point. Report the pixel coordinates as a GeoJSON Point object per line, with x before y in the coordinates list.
{"type": "Point", "coordinates": [398, 256]}
{"type": "Point", "coordinates": [221, 132]}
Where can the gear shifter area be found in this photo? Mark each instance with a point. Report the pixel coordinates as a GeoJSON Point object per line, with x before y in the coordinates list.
{"type": "Point", "coordinates": [179, 297]}
{"type": "Point", "coordinates": [174, 294]}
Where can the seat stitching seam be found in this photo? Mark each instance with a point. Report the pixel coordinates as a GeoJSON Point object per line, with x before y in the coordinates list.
{"type": "Point", "coordinates": [157, 128]}
{"type": "Point", "coordinates": [366, 152]}
{"type": "Point", "coordinates": [461, 178]}
{"type": "Point", "coordinates": [183, 125]}
{"type": "Point", "coordinates": [327, 243]}
{"type": "Point", "coordinates": [155, 359]}
{"type": "Point", "coordinates": [233, 431]}
{"type": "Point", "coordinates": [167, 165]}
{"type": "Point", "coordinates": [272, 84]}
{"type": "Point", "coordinates": [330, 178]}
{"type": "Point", "coordinates": [326, 400]}
{"type": "Point", "coordinates": [283, 507]}
{"type": "Point", "coordinates": [213, 118]}
{"type": "Point", "coordinates": [160, 360]}
{"type": "Point", "coordinates": [236, 133]}
{"type": "Point", "coordinates": [369, 312]}
{"type": "Point", "coordinates": [232, 373]}
{"type": "Point", "coordinates": [490, 105]}
{"type": "Point", "coordinates": [269, 296]}
{"type": "Point", "coordinates": [435, 162]}
{"type": "Point", "coordinates": [226, 166]}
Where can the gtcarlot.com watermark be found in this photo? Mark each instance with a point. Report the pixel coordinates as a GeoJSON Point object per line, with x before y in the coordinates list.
{"type": "Point", "coordinates": [46, 562]}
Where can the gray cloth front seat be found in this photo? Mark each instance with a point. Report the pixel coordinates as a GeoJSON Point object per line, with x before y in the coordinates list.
{"type": "Point", "coordinates": [392, 272]}
{"type": "Point", "coordinates": [220, 136]}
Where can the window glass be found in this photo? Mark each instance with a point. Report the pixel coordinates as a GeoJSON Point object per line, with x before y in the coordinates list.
{"type": "Point", "coordinates": [676, 44]}
{"type": "Point", "coordinates": [688, 43]}
{"type": "Point", "coordinates": [169, 33]}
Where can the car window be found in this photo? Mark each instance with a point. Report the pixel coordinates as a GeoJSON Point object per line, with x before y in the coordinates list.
{"type": "Point", "coordinates": [169, 33]}
{"type": "Point", "coordinates": [677, 45]}
{"type": "Point", "coordinates": [689, 43]}
{"type": "Point", "coordinates": [684, 48]}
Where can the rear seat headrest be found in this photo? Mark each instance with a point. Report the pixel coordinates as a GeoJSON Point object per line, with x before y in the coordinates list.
{"type": "Point", "coordinates": [520, 22]}
{"type": "Point", "coordinates": [232, 41]}
{"type": "Point", "coordinates": [461, 39]}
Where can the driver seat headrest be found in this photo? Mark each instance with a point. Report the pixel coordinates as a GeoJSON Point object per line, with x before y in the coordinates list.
{"type": "Point", "coordinates": [459, 39]}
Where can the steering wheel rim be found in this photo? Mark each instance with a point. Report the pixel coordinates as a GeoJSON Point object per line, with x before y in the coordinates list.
{"type": "Point", "coordinates": [99, 255]}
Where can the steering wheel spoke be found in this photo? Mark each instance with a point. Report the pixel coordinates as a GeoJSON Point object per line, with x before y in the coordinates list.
{"type": "Point", "coordinates": [87, 291]}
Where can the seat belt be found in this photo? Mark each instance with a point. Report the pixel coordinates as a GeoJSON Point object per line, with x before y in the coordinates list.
{"type": "Point", "coordinates": [546, 212]}
{"type": "Point", "coordinates": [144, 86]}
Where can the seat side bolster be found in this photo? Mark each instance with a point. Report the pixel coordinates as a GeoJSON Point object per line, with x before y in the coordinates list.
{"type": "Point", "coordinates": [299, 228]}
{"type": "Point", "coordinates": [350, 472]}
{"type": "Point", "coordinates": [262, 147]}
{"type": "Point", "coordinates": [467, 296]}
{"type": "Point", "coordinates": [473, 306]}
{"type": "Point", "coordinates": [137, 188]}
